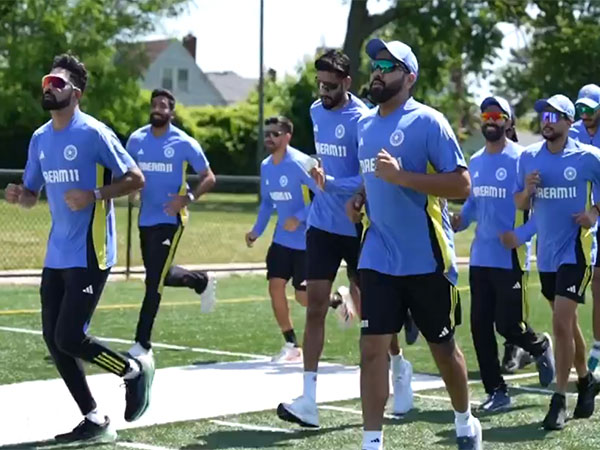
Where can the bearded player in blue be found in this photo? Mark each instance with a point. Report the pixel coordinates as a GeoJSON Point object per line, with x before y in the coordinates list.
{"type": "Point", "coordinates": [285, 185]}
{"type": "Point", "coordinates": [331, 236]}
{"type": "Point", "coordinates": [585, 130]}
{"type": "Point", "coordinates": [555, 178]}
{"type": "Point", "coordinates": [163, 153]}
{"type": "Point", "coordinates": [82, 166]}
{"type": "Point", "coordinates": [410, 161]}
{"type": "Point", "coordinates": [498, 276]}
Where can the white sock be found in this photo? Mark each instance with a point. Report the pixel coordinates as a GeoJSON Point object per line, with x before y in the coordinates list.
{"type": "Point", "coordinates": [372, 440]}
{"type": "Point", "coordinates": [134, 369]}
{"type": "Point", "coordinates": [310, 385]}
{"type": "Point", "coordinates": [462, 421]}
{"type": "Point", "coordinates": [95, 417]}
{"type": "Point", "coordinates": [396, 363]}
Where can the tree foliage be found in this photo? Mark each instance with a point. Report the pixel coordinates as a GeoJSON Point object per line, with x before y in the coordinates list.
{"type": "Point", "coordinates": [563, 53]}
{"type": "Point", "coordinates": [33, 31]}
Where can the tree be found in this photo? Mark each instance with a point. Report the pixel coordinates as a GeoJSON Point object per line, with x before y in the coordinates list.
{"type": "Point", "coordinates": [33, 31]}
{"type": "Point", "coordinates": [563, 53]}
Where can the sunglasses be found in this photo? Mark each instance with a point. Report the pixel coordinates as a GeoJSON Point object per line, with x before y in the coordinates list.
{"type": "Point", "coordinates": [273, 134]}
{"type": "Point", "coordinates": [387, 66]}
{"type": "Point", "coordinates": [56, 82]}
{"type": "Point", "coordinates": [584, 110]}
{"type": "Point", "coordinates": [493, 115]}
{"type": "Point", "coordinates": [552, 117]}
{"type": "Point", "coordinates": [327, 85]}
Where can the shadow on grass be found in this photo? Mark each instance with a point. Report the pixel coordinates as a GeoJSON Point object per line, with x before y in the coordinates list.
{"type": "Point", "coordinates": [258, 439]}
{"type": "Point", "coordinates": [51, 444]}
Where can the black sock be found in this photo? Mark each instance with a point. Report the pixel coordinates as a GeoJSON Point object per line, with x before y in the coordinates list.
{"type": "Point", "coordinates": [290, 337]}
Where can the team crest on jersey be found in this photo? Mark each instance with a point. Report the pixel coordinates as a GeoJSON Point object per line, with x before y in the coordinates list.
{"type": "Point", "coordinates": [501, 174]}
{"type": "Point", "coordinates": [70, 152]}
{"type": "Point", "coordinates": [340, 131]}
{"type": "Point", "coordinates": [42, 156]}
{"type": "Point", "coordinates": [397, 138]}
{"type": "Point", "coordinates": [169, 152]}
{"type": "Point", "coordinates": [283, 181]}
{"type": "Point", "coordinates": [315, 128]}
{"type": "Point", "coordinates": [570, 173]}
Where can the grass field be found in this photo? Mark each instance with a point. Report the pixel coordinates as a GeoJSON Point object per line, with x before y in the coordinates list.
{"type": "Point", "coordinates": [215, 233]}
{"type": "Point", "coordinates": [243, 322]}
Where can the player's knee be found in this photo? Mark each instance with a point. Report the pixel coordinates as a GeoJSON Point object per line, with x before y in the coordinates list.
{"type": "Point", "coordinates": [372, 348]}
{"type": "Point", "coordinates": [68, 342]}
{"type": "Point", "coordinates": [316, 311]}
{"type": "Point", "coordinates": [445, 352]}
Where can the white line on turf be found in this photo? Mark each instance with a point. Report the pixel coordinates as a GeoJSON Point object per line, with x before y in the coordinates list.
{"type": "Point", "coordinates": [154, 344]}
{"type": "Point", "coordinates": [439, 397]}
{"type": "Point", "coordinates": [244, 426]}
{"type": "Point", "coordinates": [140, 446]}
{"type": "Point", "coordinates": [351, 411]}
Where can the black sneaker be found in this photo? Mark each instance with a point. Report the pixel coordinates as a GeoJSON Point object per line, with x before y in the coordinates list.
{"type": "Point", "coordinates": [587, 387]}
{"type": "Point", "coordinates": [88, 431]}
{"type": "Point", "coordinates": [512, 358]}
{"type": "Point", "coordinates": [557, 414]}
{"type": "Point", "coordinates": [137, 390]}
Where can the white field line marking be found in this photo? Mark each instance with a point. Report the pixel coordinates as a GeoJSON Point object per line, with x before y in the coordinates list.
{"type": "Point", "coordinates": [244, 426]}
{"type": "Point", "coordinates": [141, 446]}
{"type": "Point", "coordinates": [157, 345]}
{"type": "Point", "coordinates": [352, 411]}
{"type": "Point", "coordinates": [445, 399]}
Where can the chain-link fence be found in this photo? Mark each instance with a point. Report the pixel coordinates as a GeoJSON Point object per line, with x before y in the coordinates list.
{"type": "Point", "coordinates": [214, 235]}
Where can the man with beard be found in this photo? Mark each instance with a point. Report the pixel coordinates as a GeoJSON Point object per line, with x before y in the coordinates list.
{"type": "Point", "coordinates": [410, 160]}
{"type": "Point", "coordinates": [331, 236]}
{"type": "Point", "coordinates": [83, 166]}
{"type": "Point", "coordinates": [585, 131]}
{"type": "Point", "coordinates": [163, 153]}
{"type": "Point", "coordinates": [498, 276]}
{"type": "Point", "coordinates": [284, 188]}
{"type": "Point", "coordinates": [554, 178]}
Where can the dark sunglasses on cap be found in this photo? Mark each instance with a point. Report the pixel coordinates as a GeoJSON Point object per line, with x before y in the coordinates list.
{"type": "Point", "coordinates": [56, 82]}
{"type": "Point", "coordinates": [585, 110]}
{"type": "Point", "coordinates": [387, 66]}
{"type": "Point", "coordinates": [273, 134]}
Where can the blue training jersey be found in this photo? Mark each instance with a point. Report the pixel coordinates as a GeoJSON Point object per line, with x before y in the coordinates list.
{"type": "Point", "coordinates": [336, 145]}
{"type": "Point", "coordinates": [164, 161]}
{"type": "Point", "coordinates": [84, 155]}
{"type": "Point", "coordinates": [284, 187]}
{"type": "Point", "coordinates": [580, 133]}
{"type": "Point", "coordinates": [565, 189]}
{"type": "Point", "coordinates": [409, 232]}
{"type": "Point", "coordinates": [491, 205]}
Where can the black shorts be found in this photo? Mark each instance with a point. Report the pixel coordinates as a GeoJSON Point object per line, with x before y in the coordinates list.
{"type": "Point", "coordinates": [326, 250]}
{"type": "Point", "coordinates": [284, 262]}
{"type": "Point", "coordinates": [569, 281]}
{"type": "Point", "coordinates": [431, 299]}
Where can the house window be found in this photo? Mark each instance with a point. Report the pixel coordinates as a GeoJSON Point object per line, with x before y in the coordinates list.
{"type": "Point", "coordinates": [167, 79]}
{"type": "Point", "coordinates": [182, 80]}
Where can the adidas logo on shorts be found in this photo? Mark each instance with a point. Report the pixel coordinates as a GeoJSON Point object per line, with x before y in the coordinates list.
{"type": "Point", "coordinates": [517, 285]}
{"type": "Point", "coordinates": [364, 324]}
{"type": "Point", "coordinates": [88, 290]}
{"type": "Point", "coordinates": [572, 289]}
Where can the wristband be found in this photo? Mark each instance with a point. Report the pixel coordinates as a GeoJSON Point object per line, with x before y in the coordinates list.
{"type": "Point", "coordinates": [97, 194]}
{"type": "Point", "coordinates": [191, 196]}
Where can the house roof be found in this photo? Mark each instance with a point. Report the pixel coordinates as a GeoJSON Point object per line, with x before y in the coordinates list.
{"type": "Point", "coordinates": [155, 48]}
{"type": "Point", "coordinates": [233, 87]}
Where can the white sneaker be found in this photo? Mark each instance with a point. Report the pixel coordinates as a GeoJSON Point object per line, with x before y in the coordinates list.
{"type": "Point", "coordinates": [346, 313]}
{"type": "Point", "coordinates": [469, 437]}
{"type": "Point", "coordinates": [209, 296]}
{"type": "Point", "coordinates": [289, 353]}
{"type": "Point", "coordinates": [137, 350]}
{"type": "Point", "coordinates": [403, 393]}
{"type": "Point", "coordinates": [302, 411]}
